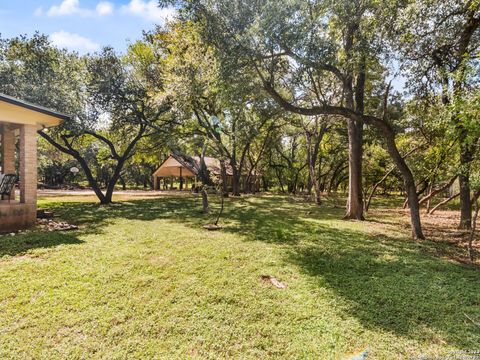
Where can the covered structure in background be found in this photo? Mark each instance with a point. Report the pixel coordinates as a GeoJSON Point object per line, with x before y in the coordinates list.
{"type": "Point", "coordinates": [175, 167]}
{"type": "Point", "coordinates": [19, 123]}
{"type": "Point", "coordinates": [184, 170]}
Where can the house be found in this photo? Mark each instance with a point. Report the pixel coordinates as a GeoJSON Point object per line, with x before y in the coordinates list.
{"type": "Point", "coordinates": [185, 169]}
{"type": "Point", "coordinates": [19, 123]}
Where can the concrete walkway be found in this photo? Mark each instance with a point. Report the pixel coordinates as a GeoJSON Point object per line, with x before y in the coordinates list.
{"type": "Point", "coordinates": [142, 193]}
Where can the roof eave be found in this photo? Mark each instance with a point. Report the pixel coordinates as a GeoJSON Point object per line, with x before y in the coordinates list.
{"type": "Point", "coordinates": [33, 107]}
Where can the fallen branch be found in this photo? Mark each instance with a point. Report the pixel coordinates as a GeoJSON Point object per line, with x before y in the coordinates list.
{"type": "Point", "coordinates": [443, 203]}
{"type": "Point", "coordinates": [437, 190]}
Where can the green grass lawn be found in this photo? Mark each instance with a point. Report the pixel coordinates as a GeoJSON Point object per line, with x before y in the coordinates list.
{"type": "Point", "coordinates": [143, 279]}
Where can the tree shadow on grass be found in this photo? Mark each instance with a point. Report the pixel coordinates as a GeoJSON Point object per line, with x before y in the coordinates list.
{"type": "Point", "coordinates": [93, 218]}
{"type": "Point", "coordinates": [387, 283]}
{"type": "Point", "coordinates": [395, 286]}
{"type": "Point", "coordinates": [23, 243]}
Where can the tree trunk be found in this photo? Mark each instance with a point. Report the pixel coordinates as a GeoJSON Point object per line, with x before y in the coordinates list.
{"type": "Point", "coordinates": [355, 150]}
{"type": "Point", "coordinates": [312, 178]}
{"type": "Point", "coordinates": [354, 98]}
{"type": "Point", "coordinates": [280, 182]}
{"type": "Point", "coordinates": [316, 184]}
{"type": "Point", "coordinates": [293, 184]}
{"type": "Point", "coordinates": [309, 186]}
{"type": "Point", "coordinates": [124, 184]}
{"type": "Point", "coordinates": [223, 171]}
{"type": "Point", "coordinates": [465, 201]}
{"type": "Point", "coordinates": [83, 164]}
{"type": "Point", "coordinates": [91, 180]}
{"type": "Point", "coordinates": [222, 204]}
{"type": "Point", "coordinates": [204, 176]}
{"type": "Point", "coordinates": [205, 207]}
{"type": "Point", "coordinates": [471, 250]}
{"type": "Point", "coordinates": [113, 181]}
{"type": "Point", "coordinates": [428, 201]}
{"type": "Point", "coordinates": [414, 207]}
{"type": "Point", "coordinates": [235, 181]}
{"type": "Point", "coordinates": [408, 179]}
{"type": "Point", "coordinates": [264, 184]}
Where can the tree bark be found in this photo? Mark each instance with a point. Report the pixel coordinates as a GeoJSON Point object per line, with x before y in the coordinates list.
{"type": "Point", "coordinates": [355, 129]}
{"type": "Point", "coordinates": [205, 207]}
{"type": "Point", "coordinates": [235, 181]}
{"type": "Point", "coordinates": [90, 178]}
{"type": "Point", "coordinates": [313, 179]}
{"type": "Point", "coordinates": [409, 181]}
{"type": "Point", "coordinates": [205, 178]}
{"type": "Point", "coordinates": [355, 152]}
{"type": "Point", "coordinates": [471, 250]}
{"type": "Point", "coordinates": [123, 183]}
{"type": "Point", "coordinates": [223, 170]}
{"type": "Point", "coordinates": [464, 179]}
{"type": "Point", "coordinates": [222, 205]}
{"type": "Point", "coordinates": [113, 181]}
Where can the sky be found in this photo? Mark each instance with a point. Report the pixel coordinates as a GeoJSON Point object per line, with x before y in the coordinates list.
{"type": "Point", "coordinates": [82, 25]}
{"type": "Point", "coordinates": [86, 26]}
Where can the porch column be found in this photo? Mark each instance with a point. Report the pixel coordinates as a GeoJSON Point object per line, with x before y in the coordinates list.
{"type": "Point", "coordinates": [181, 179]}
{"type": "Point", "coordinates": [28, 164]}
{"type": "Point", "coordinates": [8, 152]}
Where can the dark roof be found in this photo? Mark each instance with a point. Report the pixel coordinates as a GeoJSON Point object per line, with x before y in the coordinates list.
{"type": "Point", "coordinates": [33, 107]}
{"type": "Point", "coordinates": [186, 161]}
{"type": "Point", "coordinates": [192, 163]}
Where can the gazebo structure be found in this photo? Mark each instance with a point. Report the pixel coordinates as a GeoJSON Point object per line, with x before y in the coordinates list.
{"type": "Point", "coordinates": [178, 167]}
{"type": "Point", "coordinates": [19, 123]}
{"type": "Point", "coordinates": [175, 168]}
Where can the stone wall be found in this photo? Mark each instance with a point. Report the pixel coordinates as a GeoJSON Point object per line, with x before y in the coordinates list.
{"type": "Point", "coordinates": [17, 216]}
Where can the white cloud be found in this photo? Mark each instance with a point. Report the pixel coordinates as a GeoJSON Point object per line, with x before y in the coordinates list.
{"type": "Point", "coordinates": [72, 7]}
{"type": "Point", "coordinates": [148, 10]}
{"type": "Point", "coordinates": [104, 8]}
{"type": "Point", "coordinates": [70, 41]}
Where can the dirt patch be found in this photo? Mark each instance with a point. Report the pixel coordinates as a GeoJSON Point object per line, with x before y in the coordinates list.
{"type": "Point", "coordinates": [440, 228]}
{"type": "Point", "coordinates": [212, 227]}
